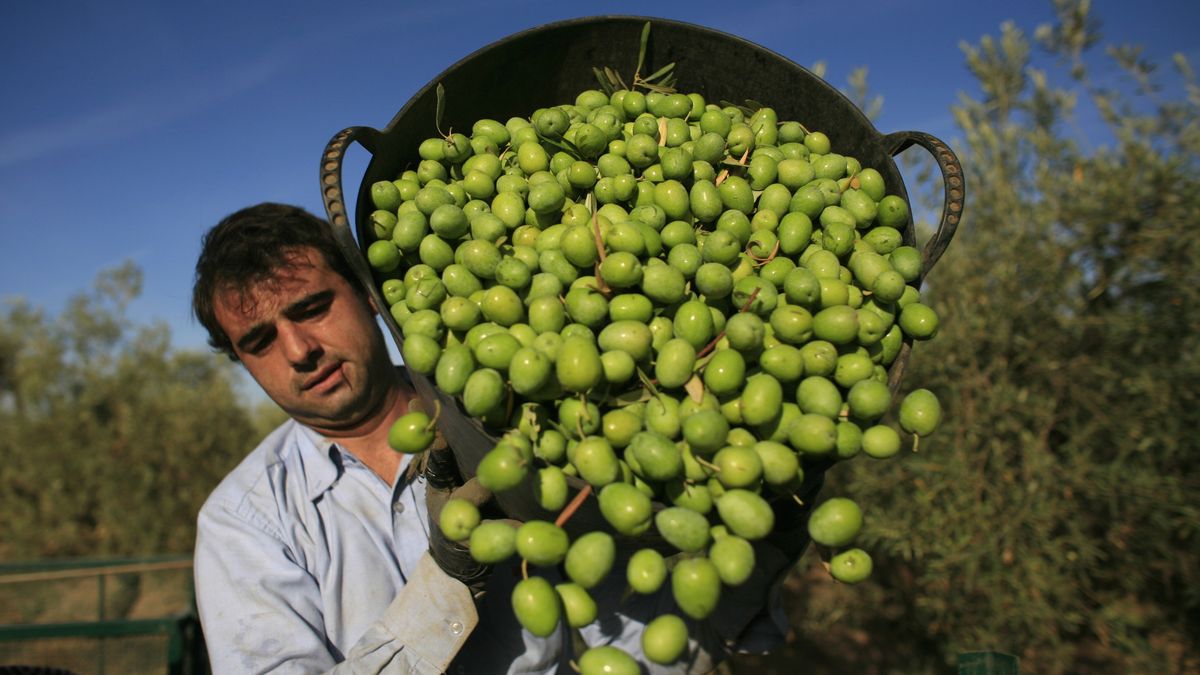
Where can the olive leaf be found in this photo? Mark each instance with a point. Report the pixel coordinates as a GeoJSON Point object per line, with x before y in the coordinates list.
{"type": "Point", "coordinates": [563, 145]}
{"type": "Point", "coordinates": [746, 110]}
{"type": "Point", "coordinates": [615, 78]}
{"type": "Point", "coordinates": [637, 395]}
{"type": "Point", "coordinates": [695, 388]}
{"type": "Point", "coordinates": [645, 40]}
{"type": "Point", "coordinates": [647, 382]}
{"type": "Point", "coordinates": [660, 73]}
{"type": "Point", "coordinates": [604, 82]}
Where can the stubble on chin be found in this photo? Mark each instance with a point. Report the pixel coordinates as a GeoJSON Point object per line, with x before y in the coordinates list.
{"type": "Point", "coordinates": [357, 404]}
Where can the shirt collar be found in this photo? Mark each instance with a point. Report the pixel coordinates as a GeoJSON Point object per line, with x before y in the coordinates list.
{"type": "Point", "coordinates": [325, 462]}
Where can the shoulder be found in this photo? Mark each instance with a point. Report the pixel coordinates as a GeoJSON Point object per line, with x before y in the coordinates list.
{"type": "Point", "coordinates": [259, 485]}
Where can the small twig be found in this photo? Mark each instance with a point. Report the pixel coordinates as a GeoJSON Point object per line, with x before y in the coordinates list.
{"type": "Point", "coordinates": [711, 345]}
{"type": "Point", "coordinates": [707, 464]}
{"type": "Point", "coordinates": [750, 300]}
{"type": "Point", "coordinates": [440, 110]}
{"type": "Point", "coordinates": [662, 132]}
{"type": "Point", "coordinates": [587, 415]}
{"type": "Point", "coordinates": [769, 258]}
{"type": "Point", "coordinates": [437, 412]}
{"type": "Point", "coordinates": [524, 569]}
{"type": "Point", "coordinates": [571, 508]}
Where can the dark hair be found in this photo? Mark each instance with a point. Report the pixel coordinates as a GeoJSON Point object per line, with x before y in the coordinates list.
{"type": "Point", "coordinates": [247, 247]}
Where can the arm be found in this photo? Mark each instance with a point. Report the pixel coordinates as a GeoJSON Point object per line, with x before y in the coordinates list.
{"type": "Point", "coordinates": [433, 613]}
{"type": "Point", "coordinates": [262, 611]}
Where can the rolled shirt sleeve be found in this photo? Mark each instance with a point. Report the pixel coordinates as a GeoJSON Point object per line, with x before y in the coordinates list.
{"type": "Point", "coordinates": [422, 630]}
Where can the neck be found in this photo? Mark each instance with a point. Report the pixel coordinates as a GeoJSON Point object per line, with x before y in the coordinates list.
{"type": "Point", "coordinates": [369, 440]}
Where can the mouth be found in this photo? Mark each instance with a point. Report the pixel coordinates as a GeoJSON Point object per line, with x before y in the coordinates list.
{"type": "Point", "coordinates": [324, 378]}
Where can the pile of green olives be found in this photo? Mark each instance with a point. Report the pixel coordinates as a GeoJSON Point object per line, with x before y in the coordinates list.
{"type": "Point", "coordinates": [679, 303]}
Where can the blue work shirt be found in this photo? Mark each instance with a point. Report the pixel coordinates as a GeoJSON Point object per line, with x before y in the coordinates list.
{"type": "Point", "coordinates": [307, 561]}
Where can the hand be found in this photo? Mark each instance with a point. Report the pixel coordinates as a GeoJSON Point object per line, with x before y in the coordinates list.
{"type": "Point", "coordinates": [443, 483]}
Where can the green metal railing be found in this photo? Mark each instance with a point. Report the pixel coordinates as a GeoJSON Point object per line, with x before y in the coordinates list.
{"type": "Point", "coordinates": [48, 621]}
{"type": "Point", "coordinates": [987, 663]}
{"type": "Point", "coordinates": [183, 655]}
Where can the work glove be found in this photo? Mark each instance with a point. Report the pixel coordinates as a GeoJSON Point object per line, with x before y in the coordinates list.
{"type": "Point", "coordinates": [443, 483]}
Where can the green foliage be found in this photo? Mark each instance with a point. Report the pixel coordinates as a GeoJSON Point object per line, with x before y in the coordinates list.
{"type": "Point", "coordinates": [1056, 514]}
{"type": "Point", "coordinates": [109, 440]}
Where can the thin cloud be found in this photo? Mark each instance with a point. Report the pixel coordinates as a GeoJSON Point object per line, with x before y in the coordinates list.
{"type": "Point", "coordinates": [133, 116]}
{"type": "Point", "coordinates": [176, 100]}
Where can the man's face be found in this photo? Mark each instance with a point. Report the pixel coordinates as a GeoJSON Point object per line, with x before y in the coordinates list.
{"type": "Point", "coordinates": [311, 342]}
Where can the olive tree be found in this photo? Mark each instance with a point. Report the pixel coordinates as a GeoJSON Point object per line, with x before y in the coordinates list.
{"type": "Point", "coordinates": [110, 439]}
{"type": "Point", "coordinates": [1055, 515]}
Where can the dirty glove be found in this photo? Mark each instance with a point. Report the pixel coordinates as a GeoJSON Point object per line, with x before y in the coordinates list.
{"type": "Point", "coordinates": [443, 483]}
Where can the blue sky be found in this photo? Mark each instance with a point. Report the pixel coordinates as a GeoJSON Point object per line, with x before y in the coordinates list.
{"type": "Point", "coordinates": [129, 128]}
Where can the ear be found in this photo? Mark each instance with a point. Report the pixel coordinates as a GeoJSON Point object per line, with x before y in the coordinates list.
{"type": "Point", "coordinates": [376, 304]}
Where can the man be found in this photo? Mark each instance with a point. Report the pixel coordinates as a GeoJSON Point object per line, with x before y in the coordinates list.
{"type": "Point", "coordinates": [303, 550]}
{"type": "Point", "coordinates": [318, 552]}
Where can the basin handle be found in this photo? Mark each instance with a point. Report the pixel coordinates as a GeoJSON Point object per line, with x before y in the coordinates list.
{"type": "Point", "coordinates": [334, 198]}
{"type": "Point", "coordinates": [952, 182]}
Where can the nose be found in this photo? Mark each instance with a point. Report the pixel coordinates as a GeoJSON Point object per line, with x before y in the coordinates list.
{"type": "Point", "coordinates": [298, 347]}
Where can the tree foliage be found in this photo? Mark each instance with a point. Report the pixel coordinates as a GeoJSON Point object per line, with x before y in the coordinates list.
{"type": "Point", "coordinates": [110, 440]}
{"type": "Point", "coordinates": [1055, 515]}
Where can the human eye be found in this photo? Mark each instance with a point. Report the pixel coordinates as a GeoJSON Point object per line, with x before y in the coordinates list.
{"type": "Point", "coordinates": [312, 307]}
{"type": "Point", "coordinates": [315, 310]}
{"type": "Point", "coordinates": [256, 341]}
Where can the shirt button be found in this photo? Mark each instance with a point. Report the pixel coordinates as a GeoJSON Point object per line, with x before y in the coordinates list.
{"type": "Point", "coordinates": [398, 506]}
{"type": "Point", "coordinates": [456, 627]}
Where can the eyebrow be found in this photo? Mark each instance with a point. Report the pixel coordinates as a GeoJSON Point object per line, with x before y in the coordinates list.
{"type": "Point", "coordinates": [293, 311]}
